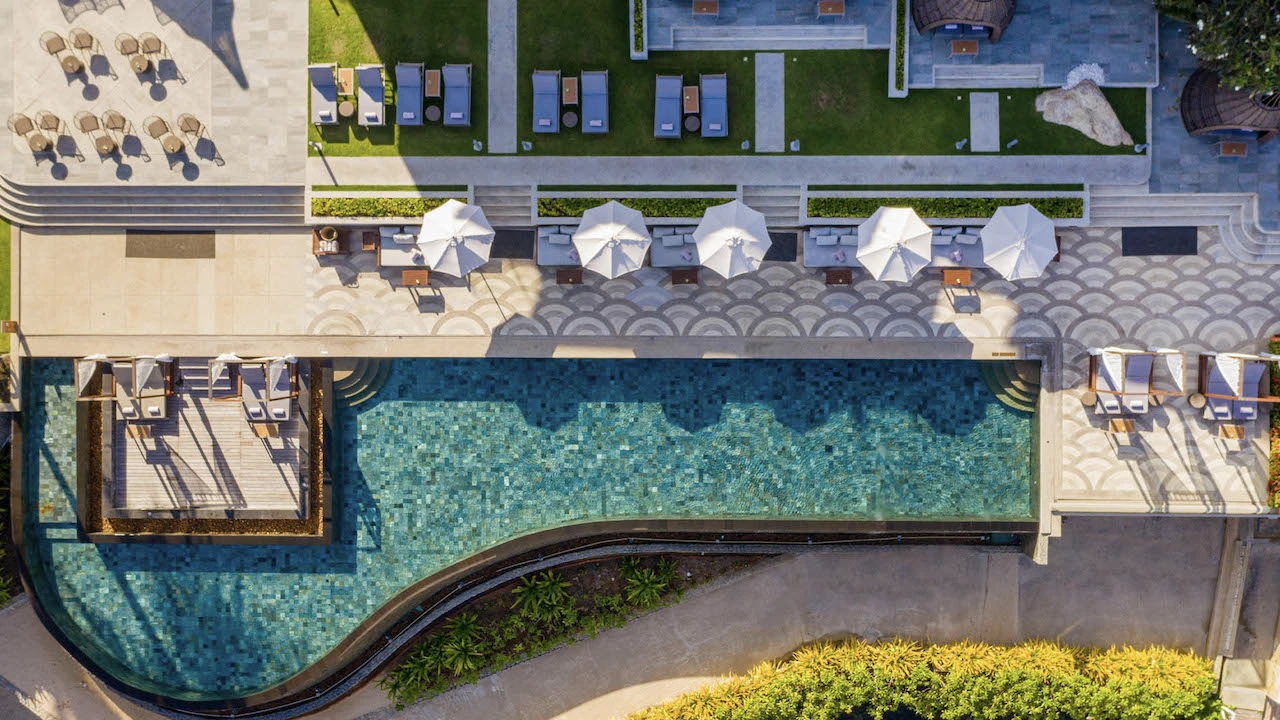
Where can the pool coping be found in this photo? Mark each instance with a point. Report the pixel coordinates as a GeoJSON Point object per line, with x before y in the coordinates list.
{"type": "Point", "coordinates": [349, 662]}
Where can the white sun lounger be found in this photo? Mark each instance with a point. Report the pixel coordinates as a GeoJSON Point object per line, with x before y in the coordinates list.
{"type": "Point", "coordinates": [324, 94]}
{"type": "Point", "coordinates": [253, 391]}
{"type": "Point", "coordinates": [280, 390]}
{"type": "Point", "coordinates": [1137, 381]}
{"type": "Point", "coordinates": [150, 389]}
{"type": "Point", "coordinates": [130, 409]}
{"type": "Point", "coordinates": [1248, 409]}
{"type": "Point", "coordinates": [371, 95]}
{"type": "Point", "coordinates": [1109, 382]}
{"type": "Point", "coordinates": [1217, 384]}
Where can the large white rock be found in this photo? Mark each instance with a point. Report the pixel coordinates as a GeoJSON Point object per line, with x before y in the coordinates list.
{"type": "Point", "coordinates": [1086, 109]}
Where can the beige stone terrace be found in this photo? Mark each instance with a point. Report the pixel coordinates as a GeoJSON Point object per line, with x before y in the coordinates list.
{"type": "Point", "coordinates": [266, 293]}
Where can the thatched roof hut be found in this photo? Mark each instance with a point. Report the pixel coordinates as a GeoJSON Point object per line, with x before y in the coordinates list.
{"type": "Point", "coordinates": [1208, 106]}
{"type": "Point", "coordinates": [992, 14]}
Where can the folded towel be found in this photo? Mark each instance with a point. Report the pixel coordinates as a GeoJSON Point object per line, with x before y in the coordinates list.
{"type": "Point", "coordinates": [280, 413]}
{"type": "Point", "coordinates": [455, 116]}
{"type": "Point", "coordinates": [254, 412]}
{"type": "Point", "coordinates": [713, 126]}
{"type": "Point", "coordinates": [668, 126]}
{"type": "Point", "coordinates": [371, 116]}
{"type": "Point", "coordinates": [544, 122]}
{"type": "Point", "coordinates": [594, 123]}
{"type": "Point", "coordinates": [153, 411]}
{"type": "Point", "coordinates": [325, 115]}
{"type": "Point", "coordinates": [129, 412]}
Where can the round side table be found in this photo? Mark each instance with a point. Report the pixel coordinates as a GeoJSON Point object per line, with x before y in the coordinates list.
{"type": "Point", "coordinates": [569, 119]}
{"type": "Point", "coordinates": [1196, 400]}
{"type": "Point", "coordinates": [105, 145]}
{"type": "Point", "coordinates": [38, 143]}
{"type": "Point", "coordinates": [432, 113]}
{"type": "Point", "coordinates": [1089, 398]}
{"type": "Point", "coordinates": [71, 65]}
{"type": "Point", "coordinates": [692, 123]}
{"type": "Point", "coordinates": [346, 108]}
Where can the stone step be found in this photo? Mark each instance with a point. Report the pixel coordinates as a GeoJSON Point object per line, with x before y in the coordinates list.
{"type": "Point", "coordinates": [357, 380]}
{"type": "Point", "coordinates": [987, 76]}
{"type": "Point", "coordinates": [764, 37]}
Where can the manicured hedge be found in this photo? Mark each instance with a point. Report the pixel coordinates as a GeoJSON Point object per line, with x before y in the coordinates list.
{"type": "Point", "coordinates": [1056, 207]}
{"type": "Point", "coordinates": [374, 206]}
{"type": "Point", "coordinates": [649, 207]}
{"type": "Point", "coordinates": [900, 57]}
{"type": "Point", "coordinates": [1273, 483]}
{"type": "Point", "coordinates": [1035, 680]}
{"type": "Point", "coordinates": [637, 13]}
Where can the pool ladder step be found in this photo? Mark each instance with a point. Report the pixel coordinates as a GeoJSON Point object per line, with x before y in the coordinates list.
{"type": "Point", "coordinates": [1015, 384]}
{"type": "Point", "coordinates": [357, 380]}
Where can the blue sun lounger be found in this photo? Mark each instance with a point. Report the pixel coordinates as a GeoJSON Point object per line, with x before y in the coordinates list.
{"type": "Point", "coordinates": [457, 95]}
{"type": "Point", "coordinates": [715, 105]}
{"type": "Point", "coordinates": [408, 93]}
{"type": "Point", "coordinates": [546, 101]}
{"type": "Point", "coordinates": [595, 101]}
{"type": "Point", "coordinates": [666, 106]}
{"type": "Point", "coordinates": [371, 95]}
{"type": "Point", "coordinates": [324, 94]}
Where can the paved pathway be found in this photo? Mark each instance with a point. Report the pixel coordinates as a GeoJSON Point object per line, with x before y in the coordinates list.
{"type": "Point", "coordinates": [790, 169]}
{"type": "Point", "coordinates": [1110, 580]}
{"type": "Point", "coordinates": [770, 102]}
{"type": "Point", "coordinates": [502, 76]}
{"type": "Point", "coordinates": [984, 122]}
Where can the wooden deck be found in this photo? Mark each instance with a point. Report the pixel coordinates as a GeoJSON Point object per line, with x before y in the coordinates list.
{"type": "Point", "coordinates": [206, 455]}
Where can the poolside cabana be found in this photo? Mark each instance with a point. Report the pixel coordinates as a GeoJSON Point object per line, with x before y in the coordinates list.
{"type": "Point", "coordinates": [1234, 383]}
{"type": "Point", "coordinates": [961, 16]}
{"type": "Point", "coordinates": [266, 385]}
{"type": "Point", "coordinates": [894, 244]}
{"type": "Point", "coordinates": [455, 238]}
{"type": "Point", "coordinates": [732, 239]}
{"type": "Point", "coordinates": [1208, 107]}
{"type": "Point", "coordinates": [1125, 380]}
{"type": "Point", "coordinates": [612, 239]}
{"type": "Point", "coordinates": [142, 386]}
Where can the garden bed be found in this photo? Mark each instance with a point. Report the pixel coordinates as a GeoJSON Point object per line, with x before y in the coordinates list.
{"type": "Point", "coordinates": [900, 678]}
{"type": "Point", "coordinates": [400, 207]}
{"type": "Point", "coordinates": [650, 207]}
{"type": "Point", "coordinates": [1061, 208]}
{"type": "Point", "coordinates": [541, 612]}
{"type": "Point", "coordinates": [1273, 478]}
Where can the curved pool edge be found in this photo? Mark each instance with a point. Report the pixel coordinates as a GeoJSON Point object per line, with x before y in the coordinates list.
{"type": "Point", "coordinates": [354, 661]}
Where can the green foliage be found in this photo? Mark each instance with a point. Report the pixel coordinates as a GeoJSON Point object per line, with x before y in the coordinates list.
{"type": "Point", "coordinates": [1036, 679]}
{"type": "Point", "coordinates": [543, 596]}
{"type": "Point", "coordinates": [900, 57]}
{"type": "Point", "coordinates": [1273, 478]}
{"type": "Point", "coordinates": [649, 207]}
{"type": "Point", "coordinates": [646, 586]}
{"type": "Point", "coordinates": [1238, 39]}
{"type": "Point", "coordinates": [1057, 207]}
{"type": "Point", "coordinates": [637, 14]}
{"type": "Point", "coordinates": [374, 206]}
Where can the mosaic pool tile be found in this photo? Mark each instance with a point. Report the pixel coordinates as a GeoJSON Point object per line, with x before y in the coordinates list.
{"type": "Point", "coordinates": [454, 456]}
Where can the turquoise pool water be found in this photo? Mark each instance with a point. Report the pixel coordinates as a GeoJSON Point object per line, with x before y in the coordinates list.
{"type": "Point", "coordinates": [455, 456]}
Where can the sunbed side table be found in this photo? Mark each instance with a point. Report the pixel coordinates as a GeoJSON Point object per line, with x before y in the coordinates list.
{"type": "Point", "coordinates": [569, 90]}
{"type": "Point", "coordinates": [346, 81]}
{"type": "Point", "coordinates": [1196, 401]}
{"type": "Point", "coordinates": [691, 106]}
{"type": "Point", "coordinates": [431, 86]}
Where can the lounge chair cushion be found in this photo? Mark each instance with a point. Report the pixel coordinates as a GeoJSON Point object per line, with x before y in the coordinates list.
{"type": "Point", "coordinates": [686, 229]}
{"type": "Point", "coordinates": [827, 239]}
{"type": "Point", "coordinates": [558, 239]}
{"type": "Point", "coordinates": [966, 239]}
{"type": "Point", "coordinates": [951, 231]}
{"type": "Point", "coordinates": [672, 240]}
{"type": "Point", "coordinates": [663, 231]}
{"type": "Point", "coordinates": [371, 116]}
{"type": "Point", "coordinates": [941, 239]}
{"type": "Point", "coordinates": [403, 238]}
{"type": "Point", "coordinates": [848, 239]}
{"type": "Point", "coordinates": [325, 115]}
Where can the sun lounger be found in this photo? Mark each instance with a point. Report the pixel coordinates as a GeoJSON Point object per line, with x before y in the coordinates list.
{"type": "Point", "coordinates": [1217, 384]}
{"type": "Point", "coordinates": [408, 93]}
{"type": "Point", "coordinates": [324, 94]}
{"type": "Point", "coordinates": [126, 400]}
{"type": "Point", "coordinates": [253, 391]}
{"type": "Point", "coordinates": [546, 101]}
{"type": "Point", "coordinates": [1245, 409]}
{"type": "Point", "coordinates": [715, 105]}
{"type": "Point", "coordinates": [595, 101]}
{"type": "Point", "coordinates": [280, 390]}
{"type": "Point", "coordinates": [1108, 380]}
{"type": "Point", "coordinates": [370, 95]}
{"type": "Point", "coordinates": [1137, 381]}
{"type": "Point", "coordinates": [666, 107]}
{"type": "Point", "coordinates": [149, 388]}
{"type": "Point", "coordinates": [457, 95]}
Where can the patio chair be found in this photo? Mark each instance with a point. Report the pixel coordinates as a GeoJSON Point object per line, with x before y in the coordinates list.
{"type": "Point", "coordinates": [190, 125]}
{"type": "Point", "coordinates": [21, 125]}
{"type": "Point", "coordinates": [46, 120]}
{"type": "Point", "coordinates": [457, 95]}
{"type": "Point", "coordinates": [87, 122]}
{"type": "Point", "coordinates": [595, 101]}
{"type": "Point", "coordinates": [546, 101]}
{"type": "Point", "coordinates": [149, 44]}
{"type": "Point", "coordinates": [371, 95]}
{"type": "Point", "coordinates": [156, 126]}
{"type": "Point", "coordinates": [666, 107]}
{"type": "Point", "coordinates": [1247, 408]}
{"type": "Point", "coordinates": [114, 121]}
{"type": "Point", "coordinates": [81, 39]}
{"type": "Point", "coordinates": [126, 44]}
{"type": "Point", "coordinates": [253, 391]}
{"type": "Point", "coordinates": [324, 94]}
{"type": "Point", "coordinates": [53, 43]}
{"type": "Point", "coordinates": [715, 105]}
{"type": "Point", "coordinates": [1137, 381]}
{"type": "Point", "coordinates": [281, 375]}
{"type": "Point", "coordinates": [408, 93]}
{"type": "Point", "coordinates": [126, 401]}
{"type": "Point", "coordinates": [1216, 383]}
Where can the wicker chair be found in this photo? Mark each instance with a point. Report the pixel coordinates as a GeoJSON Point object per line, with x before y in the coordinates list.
{"type": "Point", "coordinates": [156, 127]}
{"type": "Point", "coordinates": [126, 44]}
{"type": "Point", "coordinates": [87, 122]}
{"type": "Point", "coordinates": [21, 125]}
{"type": "Point", "coordinates": [114, 121]}
{"type": "Point", "coordinates": [53, 43]}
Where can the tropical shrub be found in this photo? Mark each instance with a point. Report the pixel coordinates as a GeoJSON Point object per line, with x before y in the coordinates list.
{"type": "Point", "coordinates": [374, 206]}
{"type": "Point", "coordinates": [1273, 481]}
{"type": "Point", "coordinates": [1035, 679]}
{"type": "Point", "coordinates": [859, 207]}
{"type": "Point", "coordinates": [1238, 39]}
{"type": "Point", "coordinates": [542, 596]}
{"type": "Point", "coordinates": [649, 207]}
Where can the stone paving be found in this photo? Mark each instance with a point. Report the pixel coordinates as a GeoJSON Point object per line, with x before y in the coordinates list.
{"type": "Point", "coordinates": [770, 108]}
{"type": "Point", "coordinates": [663, 15]}
{"type": "Point", "coordinates": [1181, 163]}
{"type": "Point", "coordinates": [236, 66]}
{"type": "Point", "coordinates": [502, 76]}
{"type": "Point", "coordinates": [1119, 35]}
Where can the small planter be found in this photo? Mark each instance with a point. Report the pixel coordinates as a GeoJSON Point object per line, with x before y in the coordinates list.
{"type": "Point", "coordinates": [900, 48]}
{"type": "Point", "coordinates": [639, 30]}
{"type": "Point", "coordinates": [328, 233]}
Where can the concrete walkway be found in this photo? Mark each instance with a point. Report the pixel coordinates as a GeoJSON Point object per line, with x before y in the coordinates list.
{"type": "Point", "coordinates": [984, 122]}
{"type": "Point", "coordinates": [788, 169]}
{"type": "Point", "coordinates": [1109, 580]}
{"type": "Point", "coordinates": [770, 102]}
{"type": "Point", "coordinates": [502, 76]}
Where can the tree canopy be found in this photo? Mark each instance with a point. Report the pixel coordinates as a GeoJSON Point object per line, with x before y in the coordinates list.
{"type": "Point", "coordinates": [1238, 39]}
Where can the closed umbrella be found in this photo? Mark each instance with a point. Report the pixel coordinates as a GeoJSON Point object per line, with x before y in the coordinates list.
{"type": "Point", "coordinates": [1019, 242]}
{"type": "Point", "coordinates": [732, 239]}
{"type": "Point", "coordinates": [894, 244]}
{"type": "Point", "coordinates": [612, 239]}
{"type": "Point", "coordinates": [455, 238]}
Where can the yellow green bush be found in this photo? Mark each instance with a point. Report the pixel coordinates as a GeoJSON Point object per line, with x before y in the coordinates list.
{"type": "Point", "coordinates": [1034, 680]}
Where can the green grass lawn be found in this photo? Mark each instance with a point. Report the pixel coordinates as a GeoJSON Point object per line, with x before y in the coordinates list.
{"type": "Point", "coordinates": [576, 35]}
{"type": "Point", "coordinates": [435, 32]}
{"type": "Point", "coordinates": [837, 104]}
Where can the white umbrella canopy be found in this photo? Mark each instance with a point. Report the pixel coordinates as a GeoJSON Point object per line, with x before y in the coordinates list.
{"type": "Point", "coordinates": [455, 238]}
{"type": "Point", "coordinates": [1019, 242]}
{"type": "Point", "coordinates": [894, 244]}
{"type": "Point", "coordinates": [612, 239]}
{"type": "Point", "coordinates": [732, 239]}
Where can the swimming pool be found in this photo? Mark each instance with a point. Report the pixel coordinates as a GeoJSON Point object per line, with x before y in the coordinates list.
{"type": "Point", "coordinates": [455, 456]}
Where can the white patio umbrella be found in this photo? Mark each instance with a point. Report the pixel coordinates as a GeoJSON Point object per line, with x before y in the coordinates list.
{"type": "Point", "coordinates": [732, 239]}
{"type": "Point", "coordinates": [612, 239]}
{"type": "Point", "coordinates": [894, 244]}
{"type": "Point", "coordinates": [1019, 242]}
{"type": "Point", "coordinates": [455, 238]}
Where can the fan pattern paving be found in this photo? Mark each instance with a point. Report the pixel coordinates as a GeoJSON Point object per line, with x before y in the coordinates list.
{"type": "Point", "coordinates": [1092, 297]}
